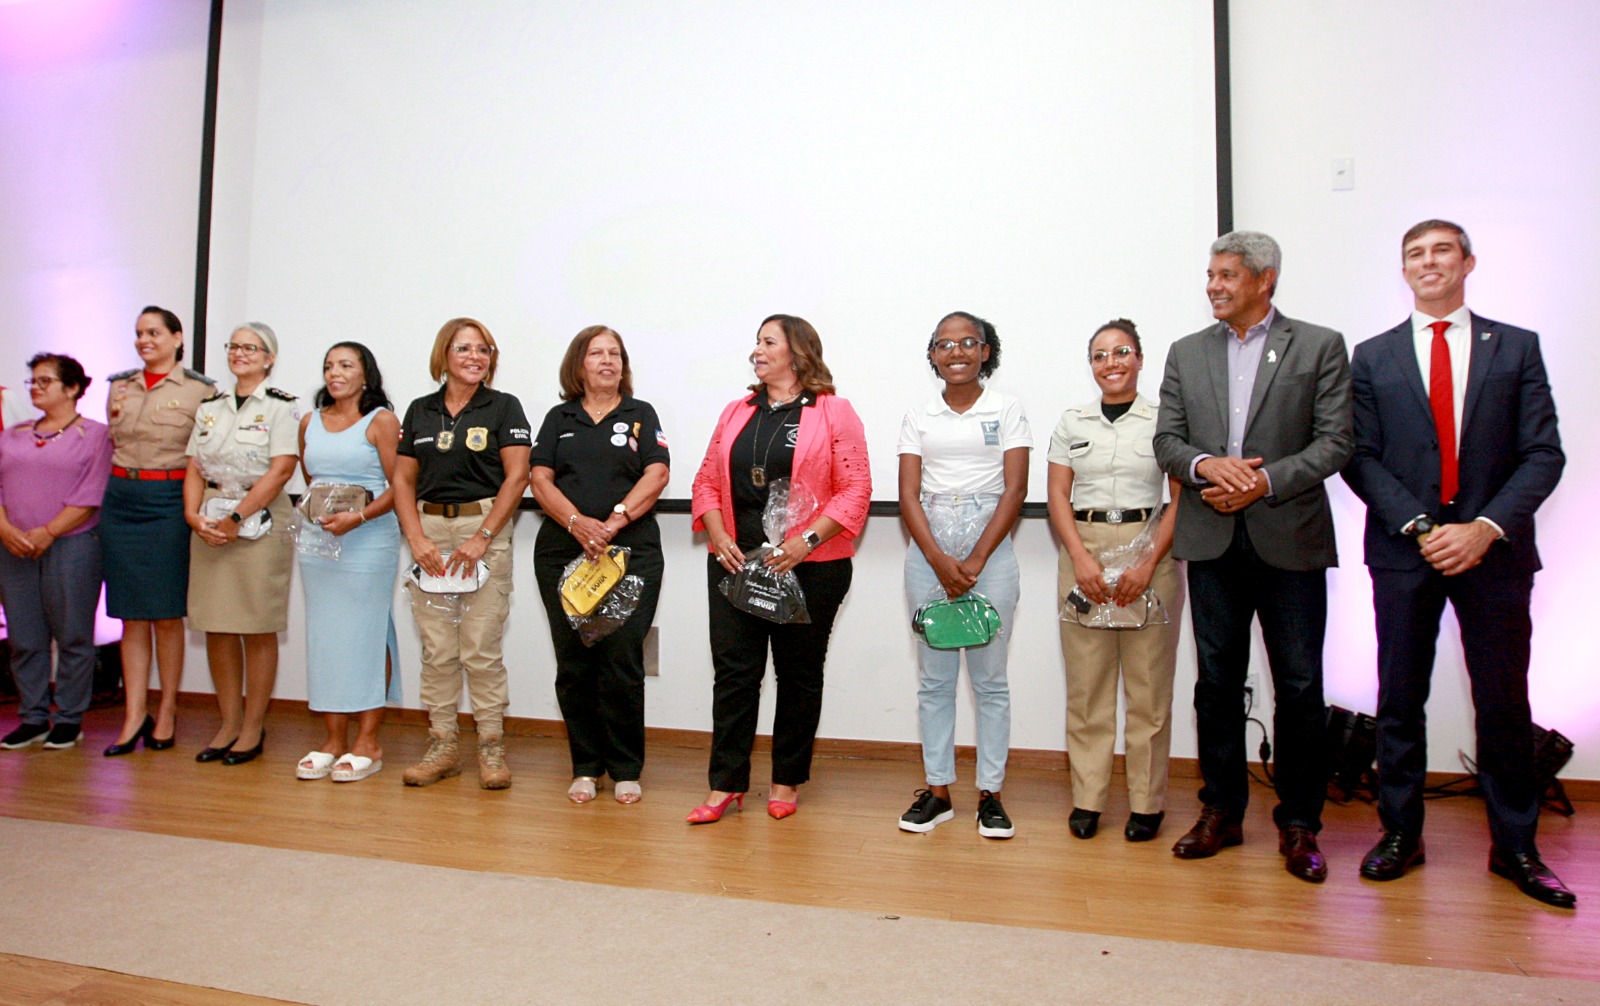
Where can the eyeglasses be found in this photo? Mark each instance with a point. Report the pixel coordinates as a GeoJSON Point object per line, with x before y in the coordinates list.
{"type": "Point", "coordinates": [245, 348]}
{"type": "Point", "coordinates": [946, 345]}
{"type": "Point", "coordinates": [1102, 355]}
{"type": "Point", "coordinates": [462, 349]}
{"type": "Point", "coordinates": [42, 383]}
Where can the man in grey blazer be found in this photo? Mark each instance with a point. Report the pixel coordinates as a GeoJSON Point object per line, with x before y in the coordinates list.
{"type": "Point", "coordinates": [1255, 416]}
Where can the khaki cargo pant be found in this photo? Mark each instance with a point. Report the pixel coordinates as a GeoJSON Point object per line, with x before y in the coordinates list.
{"type": "Point", "coordinates": [465, 636]}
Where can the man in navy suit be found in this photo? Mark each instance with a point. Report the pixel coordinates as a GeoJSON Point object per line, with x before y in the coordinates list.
{"type": "Point", "coordinates": [1456, 447]}
{"type": "Point", "coordinates": [1255, 416]}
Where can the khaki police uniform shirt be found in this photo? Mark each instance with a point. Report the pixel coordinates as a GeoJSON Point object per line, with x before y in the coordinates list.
{"type": "Point", "coordinates": [235, 444]}
{"type": "Point", "coordinates": [1113, 464]}
{"type": "Point", "coordinates": [150, 428]}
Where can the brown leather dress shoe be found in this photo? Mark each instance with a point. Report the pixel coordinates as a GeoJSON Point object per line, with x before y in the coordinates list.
{"type": "Point", "coordinates": [1395, 853]}
{"type": "Point", "coordinates": [1301, 856]}
{"type": "Point", "coordinates": [1532, 877]}
{"type": "Point", "coordinates": [1209, 836]}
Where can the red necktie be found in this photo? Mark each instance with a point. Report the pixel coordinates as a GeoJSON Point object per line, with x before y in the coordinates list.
{"type": "Point", "coordinates": [1442, 397]}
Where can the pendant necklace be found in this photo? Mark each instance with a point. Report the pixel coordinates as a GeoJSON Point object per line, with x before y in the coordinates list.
{"type": "Point", "coordinates": [41, 441]}
{"type": "Point", "coordinates": [758, 473]}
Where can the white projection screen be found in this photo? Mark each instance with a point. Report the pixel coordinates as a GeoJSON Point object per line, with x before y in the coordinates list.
{"type": "Point", "coordinates": [678, 171]}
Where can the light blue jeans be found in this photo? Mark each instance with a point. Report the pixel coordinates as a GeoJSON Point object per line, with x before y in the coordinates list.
{"type": "Point", "coordinates": [986, 668]}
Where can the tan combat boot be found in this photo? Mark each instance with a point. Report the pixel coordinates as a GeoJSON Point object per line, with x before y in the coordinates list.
{"type": "Point", "coordinates": [442, 760]}
{"type": "Point", "coordinates": [493, 773]}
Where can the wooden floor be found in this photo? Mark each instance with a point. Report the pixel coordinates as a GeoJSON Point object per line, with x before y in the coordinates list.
{"type": "Point", "coordinates": [842, 850]}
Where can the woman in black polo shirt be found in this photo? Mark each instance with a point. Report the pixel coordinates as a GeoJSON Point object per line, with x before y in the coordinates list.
{"type": "Point", "coordinates": [459, 476]}
{"type": "Point", "coordinates": [599, 464]}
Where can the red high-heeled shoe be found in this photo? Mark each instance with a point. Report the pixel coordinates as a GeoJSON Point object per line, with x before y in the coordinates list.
{"type": "Point", "coordinates": [710, 814]}
{"type": "Point", "coordinates": [780, 809]}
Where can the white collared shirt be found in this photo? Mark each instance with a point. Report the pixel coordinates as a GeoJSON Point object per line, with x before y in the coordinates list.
{"type": "Point", "coordinates": [1113, 464]}
{"type": "Point", "coordinates": [963, 453]}
{"type": "Point", "coordinates": [1459, 338]}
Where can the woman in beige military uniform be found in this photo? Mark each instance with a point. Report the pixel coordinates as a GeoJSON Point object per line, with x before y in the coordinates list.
{"type": "Point", "coordinates": [1104, 484]}
{"type": "Point", "coordinates": [144, 540]}
{"type": "Point", "coordinates": [243, 449]}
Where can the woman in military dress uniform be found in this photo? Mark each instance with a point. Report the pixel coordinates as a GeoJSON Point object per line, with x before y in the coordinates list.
{"type": "Point", "coordinates": [143, 537]}
{"type": "Point", "coordinates": [243, 447]}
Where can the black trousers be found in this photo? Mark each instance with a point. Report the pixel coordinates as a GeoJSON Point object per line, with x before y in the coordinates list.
{"type": "Point", "coordinates": [739, 643]}
{"type": "Point", "coordinates": [1491, 603]}
{"type": "Point", "coordinates": [600, 688]}
{"type": "Point", "coordinates": [1225, 595]}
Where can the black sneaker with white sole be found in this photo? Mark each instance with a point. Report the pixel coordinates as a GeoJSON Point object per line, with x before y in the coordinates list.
{"type": "Point", "coordinates": [927, 812]}
{"type": "Point", "coordinates": [992, 819]}
{"type": "Point", "coordinates": [63, 736]}
{"type": "Point", "coordinates": [24, 735]}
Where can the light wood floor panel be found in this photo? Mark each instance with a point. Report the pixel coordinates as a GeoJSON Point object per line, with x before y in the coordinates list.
{"type": "Point", "coordinates": [843, 850]}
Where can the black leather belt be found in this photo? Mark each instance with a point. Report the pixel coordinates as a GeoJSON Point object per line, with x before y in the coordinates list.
{"type": "Point", "coordinates": [452, 509]}
{"type": "Point", "coordinates": [1112, 516]}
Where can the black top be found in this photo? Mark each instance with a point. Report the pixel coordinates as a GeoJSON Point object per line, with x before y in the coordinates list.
{"type": "Point", "coordinates": [1114, 411]}
{"type": "Point", "coordinates": [458, 457]}
{"type": "Point", "coordinates": [596, 464]}
{"type": "Point", "coordinates": [766, 442]}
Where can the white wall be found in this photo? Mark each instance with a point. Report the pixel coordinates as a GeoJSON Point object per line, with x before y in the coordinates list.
{"type": "Point", "coordinates": [1478, 112]}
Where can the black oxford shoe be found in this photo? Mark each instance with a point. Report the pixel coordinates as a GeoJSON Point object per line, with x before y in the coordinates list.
{"type": "Point", "coordinates": [1532, 877]}
{"type": "Point", "coordinates": [1395, 853]}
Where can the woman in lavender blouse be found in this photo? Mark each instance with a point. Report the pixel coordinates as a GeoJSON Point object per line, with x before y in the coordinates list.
{"type": "Point", "coordinates": [53, 474]}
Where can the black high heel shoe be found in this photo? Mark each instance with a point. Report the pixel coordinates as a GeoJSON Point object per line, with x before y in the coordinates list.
{"type": "Point", "coordinates": [154, 743]}
{"type": "Point", "coordinates": [216, 754]}
{"type": "Point", "coordinates": [240, 757]}
{"type": "Point", "coordinates": [145, 730]}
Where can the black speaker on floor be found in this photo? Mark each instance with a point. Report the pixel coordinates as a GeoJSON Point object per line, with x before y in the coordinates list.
{"type": "Point", "coordinates": [8, 684]}
{"type": "Point", "coordinates": [1352, 754]}
{"type": "Point", "coordinates": [1551, 752]}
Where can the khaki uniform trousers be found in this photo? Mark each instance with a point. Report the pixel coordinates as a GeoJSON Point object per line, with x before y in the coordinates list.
{"type": "Point", "coordinates": [1147, 660]}
{"type": "Point", "coordinates": [465, 636]}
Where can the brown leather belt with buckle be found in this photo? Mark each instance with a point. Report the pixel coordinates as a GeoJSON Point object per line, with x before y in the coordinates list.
{"type": "Point", "coordinates": [149, 474]}
{"type": "Point", "coordinates": [1112, 516]}
{"type": "Point", "coordinates": [452, 509]}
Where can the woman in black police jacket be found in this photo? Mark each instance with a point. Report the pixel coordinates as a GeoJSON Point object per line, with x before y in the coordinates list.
{"type": "Point", "coordinates": [599, 463]}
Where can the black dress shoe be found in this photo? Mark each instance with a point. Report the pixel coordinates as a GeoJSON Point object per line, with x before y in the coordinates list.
{"type": "Point", "coordinates": [216, 754]}
{"type": "Point", "coordinates": [1536, 880]}
{"type": "Point", "coordinates": [1395, 853]}
{"type": "Point", "coordinates": [1301, 857]}
{"type": "Point", "coordinates": [1210, 835]}
{"type": "Point", "coordinates": [236, 757]}
{"type": "Point", "coordinates": [1143, 827]}
{"type": "Point", "coordinates": [1083, 823]}
{"type": "Point", "coordinates": [127, 747]}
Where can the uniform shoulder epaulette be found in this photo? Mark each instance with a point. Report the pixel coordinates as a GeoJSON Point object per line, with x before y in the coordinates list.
{"type": "Point", "coordinates": [281, 395]}
{"type": "Point", "coordinates": [213, 398]}
{"type": "Point", "coordinates": [123, 375]}
{"type": "Point", "coordinates": [195, 375]}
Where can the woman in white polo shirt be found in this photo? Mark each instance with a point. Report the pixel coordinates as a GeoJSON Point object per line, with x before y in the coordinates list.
{"type": "Point", "coordinates": [963, 462]}
{"type": "Point", "coordinates": [1104, 483]}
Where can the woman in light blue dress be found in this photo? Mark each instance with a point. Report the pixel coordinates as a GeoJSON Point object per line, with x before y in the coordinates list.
{"type": "Point", "coordinates": [350, 640]}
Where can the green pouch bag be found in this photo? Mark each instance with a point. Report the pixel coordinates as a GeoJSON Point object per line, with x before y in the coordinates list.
{"type": "Point", "coordinates": [954, 623]}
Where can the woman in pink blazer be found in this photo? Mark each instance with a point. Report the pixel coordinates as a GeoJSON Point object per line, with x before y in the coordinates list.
{"type": "Point", "coordinates": [792, 426]}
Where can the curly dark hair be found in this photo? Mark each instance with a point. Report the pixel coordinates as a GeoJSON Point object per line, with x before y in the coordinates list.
{"type": "Point", "coordinates": [372, 394]}
{"type": "Point", "coordinates": [986, 332]}
{"type": "Point", "coordinates": [68, 371]}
